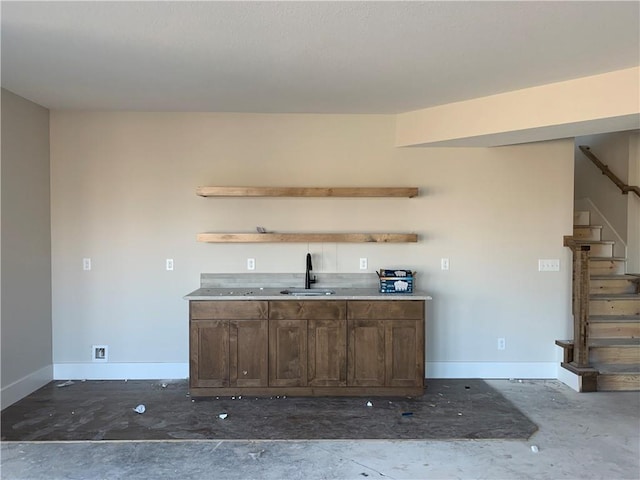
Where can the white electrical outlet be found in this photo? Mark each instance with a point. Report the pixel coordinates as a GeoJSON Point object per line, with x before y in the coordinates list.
{"type": "Point", "coordinates": [251, 263]}
{"type": "Point", "coordinates": [100, 353]}
{"type": "Point", "coordinates": [169, 263]}
{"type": "Point", "coordinates": [363, 264]}
{"type": "Point", "coordinates": [444, 264]}
{"type": "Point", "coordinates": [549, 265]}
{"type": "Point", "coordinates": [502, 344]}
{"type": "Point", "coordinates": [86, 264]}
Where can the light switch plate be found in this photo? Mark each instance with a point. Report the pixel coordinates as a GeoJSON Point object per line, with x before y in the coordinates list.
{"type": "Point", "coordinates": [549, 265]}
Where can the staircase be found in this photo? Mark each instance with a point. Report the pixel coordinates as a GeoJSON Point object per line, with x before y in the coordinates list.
{"type": "Point", "coordinates": [613, 324]}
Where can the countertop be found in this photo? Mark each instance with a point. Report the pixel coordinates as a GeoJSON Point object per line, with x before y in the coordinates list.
{"type": "Point", "coordinates": [259, 293]}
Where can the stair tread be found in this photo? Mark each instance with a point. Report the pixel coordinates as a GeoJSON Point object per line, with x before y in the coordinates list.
{"type": "Point", "coordinates": [614, 342]}
{"type": "Point", "coordinates": [599, 242]}
{"type": "Point", "coordinates": [587, 226]}
{"type": "Point", "coordinates": [616, 368]}
{"type": "Point", "coordinates": [614, 296]}
{"type": "Point", "coordinates": [614, 318]}
{"type": "Point", "coordinates": [618, 276]}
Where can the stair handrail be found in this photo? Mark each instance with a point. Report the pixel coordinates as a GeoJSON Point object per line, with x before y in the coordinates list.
{"type": "Point", "coordinates": [624, 188]}
{"type": "Point", "coordinates": [580, 301]}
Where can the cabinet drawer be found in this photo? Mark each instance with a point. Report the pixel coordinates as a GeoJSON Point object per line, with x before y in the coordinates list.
{"type": "Point", "coordinates": [228, 310]}
{"type": "Point", "coordinates": [294, 310]}
{"type": "Point", "coordinates": [385, 310]}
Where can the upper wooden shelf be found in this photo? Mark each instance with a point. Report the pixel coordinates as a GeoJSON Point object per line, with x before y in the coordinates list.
{"type": "Point", "coordinates": [308, 237]}
{"type": "Point", "coordinates": [407, 192]}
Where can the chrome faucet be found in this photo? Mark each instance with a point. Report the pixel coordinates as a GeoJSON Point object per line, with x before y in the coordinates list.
{"type": "Point", "coordinates": [307, 276]}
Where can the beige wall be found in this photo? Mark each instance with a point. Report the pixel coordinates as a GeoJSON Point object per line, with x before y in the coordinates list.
{"type": "Point", "coordinates": [123, 193]}
{"type": "Point", "coordinates": [26, 249]}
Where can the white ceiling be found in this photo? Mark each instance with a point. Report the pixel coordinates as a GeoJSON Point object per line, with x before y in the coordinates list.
{"type": "Point", "coordinates": [320, 57]}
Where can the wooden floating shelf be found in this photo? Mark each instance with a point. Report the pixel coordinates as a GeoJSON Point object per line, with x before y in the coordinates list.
{"type": "Point", "coordinates": [407, 192]}
{"type": "Point", "coordinates": [308, 237]}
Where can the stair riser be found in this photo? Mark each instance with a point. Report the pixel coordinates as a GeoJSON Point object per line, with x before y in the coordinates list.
{"type": "Point", "coordinates": [619, 382]}
{"type": "Point", "coordinates": [582, 218]}
{"type": "Point", "coordinates": [587, 233]}
{"type": "Point", "coordinates": [601, 250]}
{"type": "Point", "coordinates": [614, 355]}
{"type": "Point", "coordinates": [602, 286]}
{"type": "Point", "coordinates": [606, 267]}
{"type": "Point", "coordinates": [615, 330]}
{"type": "Point", "coordinates": [621, 306]}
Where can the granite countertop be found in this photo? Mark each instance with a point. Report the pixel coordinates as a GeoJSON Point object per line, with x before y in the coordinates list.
{"type": "Point", "coordinates": [247, 286]}
{"type": "Point", "coordinates": [274, 294]}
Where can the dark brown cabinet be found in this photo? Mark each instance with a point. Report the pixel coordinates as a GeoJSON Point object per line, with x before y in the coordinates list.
{"type": "Point", "coordinates": [307, 343]}
{"type": "Point", "coordinates": [307, 347]}
{"type": "Point", "coordinates": [366, 353]}
{"type": "Point", "coordinates": [248, 354]}
{"type": "Point", "coordinates": [288, 353]}
{"type": "Point", "coordinates": [228, 344]}
{"type": "Point", "coordinates": [386, 343]}
{"type": "Point", "coordinates": [327, 352]}
{"type": "Point", "coordinates": [209, 353]}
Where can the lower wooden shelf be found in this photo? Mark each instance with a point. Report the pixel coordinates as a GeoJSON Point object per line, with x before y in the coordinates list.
{"type": "Point", "coordinates": [308, 237]}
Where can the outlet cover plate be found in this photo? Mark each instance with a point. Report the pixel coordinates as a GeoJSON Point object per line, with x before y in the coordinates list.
{"type": "Point", "coordinates": [444, 264]}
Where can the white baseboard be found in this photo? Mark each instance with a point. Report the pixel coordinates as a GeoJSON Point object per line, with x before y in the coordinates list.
{"type": "Point", "coordinates": [120, 371]}
{"type": "Point", "coordinates": [19, 389]}
{"type": "Point", "coordinates": [531, 370]}
{"type": "Point", "coordinates": [570, 379]}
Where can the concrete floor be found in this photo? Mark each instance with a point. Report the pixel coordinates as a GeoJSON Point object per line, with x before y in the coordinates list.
{"type": "Point", "coordinates": [588, 435]}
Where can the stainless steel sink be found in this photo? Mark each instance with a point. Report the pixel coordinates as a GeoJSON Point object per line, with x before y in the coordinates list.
{"type": "Point", "coordinates": [304, 292]}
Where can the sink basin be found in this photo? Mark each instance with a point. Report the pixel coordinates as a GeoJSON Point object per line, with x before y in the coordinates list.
{"type": "Point", "coordinates": [303, 292]}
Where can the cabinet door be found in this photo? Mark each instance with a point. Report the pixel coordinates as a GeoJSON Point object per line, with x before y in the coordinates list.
{"type": "Point", "coordinates": [248, 353]}
{"type": "Point", "coordinates": [209, 353]}
{"type": "Point", "coordinates": [327, 353]}
{"type": "Point", "coordinates": [213, 361]}
{"type": "Point", "coordinates": [404, 353]}
{"type": "Point", "coordinates": [287, 353]}
{"type": "Point", "coordinates": [365, 362]}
